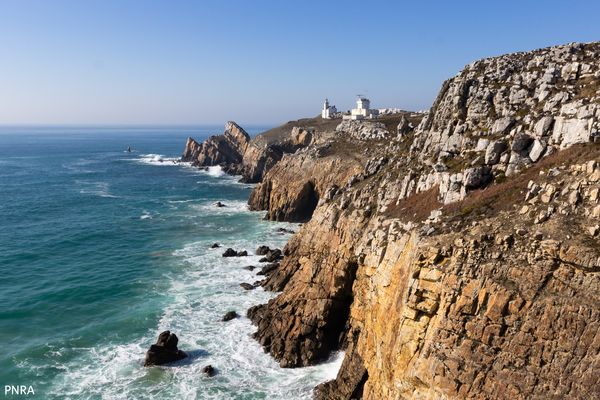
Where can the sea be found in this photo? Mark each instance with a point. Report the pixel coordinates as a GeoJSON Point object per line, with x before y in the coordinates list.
{"type": "Point", "coordinates": [102, 249]}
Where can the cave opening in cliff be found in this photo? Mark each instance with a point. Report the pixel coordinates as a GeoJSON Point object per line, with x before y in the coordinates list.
{"type": "Point", "coordinates": [307, 202]}
{"type": "Point", "coordinates": [337, 327]}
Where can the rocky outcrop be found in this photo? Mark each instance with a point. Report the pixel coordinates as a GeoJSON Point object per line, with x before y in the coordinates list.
{"type": "Point", "coordinates": [457, 260]}
{"type": "Point", "coordinates": [164, 351]}
{"type": "Point", "coordinates": [226, 150]}
{"type": "Point", "coordinates": [291, 190]}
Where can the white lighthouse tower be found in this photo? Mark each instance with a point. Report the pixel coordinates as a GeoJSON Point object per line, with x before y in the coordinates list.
{"type": "Point", "coordinates": [328, 111]}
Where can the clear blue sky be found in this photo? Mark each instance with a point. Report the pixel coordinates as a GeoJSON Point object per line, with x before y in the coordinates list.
{"type": "Point", "coordinates": [256, 62]}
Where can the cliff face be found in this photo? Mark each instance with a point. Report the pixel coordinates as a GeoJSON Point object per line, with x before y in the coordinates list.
{"type": "Point", "coordinates": [238, 154]}
{"type": "Point", "coordinates": [459, 260]}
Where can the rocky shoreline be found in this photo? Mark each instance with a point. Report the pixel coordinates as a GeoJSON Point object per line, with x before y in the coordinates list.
{"type": "Point", "coordinates": [452, 254]}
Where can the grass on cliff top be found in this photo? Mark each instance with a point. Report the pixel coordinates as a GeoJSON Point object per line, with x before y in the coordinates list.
{"type": "Point", "coordinates": [284, 131]}
{"type": "Point", "coordinates": [505, 195]}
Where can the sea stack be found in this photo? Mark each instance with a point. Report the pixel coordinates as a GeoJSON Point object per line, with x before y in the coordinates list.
{"type": "Point", "coordinates": [164, 351]}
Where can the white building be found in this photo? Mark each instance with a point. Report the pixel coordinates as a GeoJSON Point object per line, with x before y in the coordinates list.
{"type": "Point", "coordinates": [362, 109]}
{"type": "Point", "coordinates": [328, 111]}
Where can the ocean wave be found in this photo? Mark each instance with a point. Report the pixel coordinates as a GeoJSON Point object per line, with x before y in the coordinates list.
{"type": "Point", "coordinates": [100, 189]}
{"type": "Point", "coordinates": [157, 159]}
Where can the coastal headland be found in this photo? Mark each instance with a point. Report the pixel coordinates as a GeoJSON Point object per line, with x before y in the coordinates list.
{"type": "Point", "coordinates": [453, 253]}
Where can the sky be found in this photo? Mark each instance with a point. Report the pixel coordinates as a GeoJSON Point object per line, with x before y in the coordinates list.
{"type": "Point", "coordinates": [256, 62]}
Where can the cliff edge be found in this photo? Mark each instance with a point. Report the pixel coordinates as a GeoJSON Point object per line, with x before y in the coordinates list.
{"type": "Point", "coordinates": [456, 260]}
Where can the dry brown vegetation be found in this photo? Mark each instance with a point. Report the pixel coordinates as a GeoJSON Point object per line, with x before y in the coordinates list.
{"type": "Point", "coordinates": [503, 196]}
{"type": "Point", "coordinates": [417, 207]}
{"type": "Point", "coordinates": [495, 197]}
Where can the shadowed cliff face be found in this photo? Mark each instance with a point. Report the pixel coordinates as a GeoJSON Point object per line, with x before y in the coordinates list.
{"type": "Point", "coordinates": [492, 291]}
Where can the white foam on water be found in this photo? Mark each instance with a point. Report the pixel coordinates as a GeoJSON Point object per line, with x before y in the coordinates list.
{"type": "Point", "coordinates": [100, 189]}
{"type": "Point", "coordinates": [202, 289]}
{"type": "Point", "coordinates": [229, 207]}
{"type": "Point", "coordinates": [157, 159]}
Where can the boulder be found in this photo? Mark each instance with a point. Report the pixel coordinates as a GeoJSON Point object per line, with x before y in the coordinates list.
{"type": "Point", "coordinates": [542, 127]}
{"type": "Point", "coordinates": [229, 315]}
{"type": "Point", "coordinates": [494, 151]}
{"type": "Point", "coordinates": [232, 253]}
{"type": "Point", "coordinates": [404, 126]}
{"type": "Point", "coordinates": [521, 143]}
{"type": "Point", "coordinates": [262, 250]}
{"type": "Point", "coordinates": [215, 246]}
{"type": "Point", "coordinates": [164, 351]}
{"type": "Point", "coordinates": [247, 286]}
{"type": "Point", "coordinates": [537, 150]}
{"type": "Point", "coordinates": [502, 126]}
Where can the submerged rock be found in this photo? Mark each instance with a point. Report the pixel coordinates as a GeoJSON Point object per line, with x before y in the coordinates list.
{"type": "Point", "coordinates": [219, 204]}
{"type": "Point", "coordinates": [164, 351]}
{"type": "Point", "coordinates": [215, 246]}
{"type": "Point", "coordinates": [229, 315]}
{"type": "Point", "coordinates": [209, 371]}
{"type": "Point", "coordinates": [247, 286]}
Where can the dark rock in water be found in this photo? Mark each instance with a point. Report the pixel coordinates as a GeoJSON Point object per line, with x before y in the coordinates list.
{"type": "Point", "coordinates": [230, 315]}
{"type": "Point", "coordinates": [219, 204]}
{"type": "Point", "coordinates": [250, 267]}
{"type": "Point", "coordinates": [272, 256]}
{"type": "Point", "coordinates": [232, 253]}
{"type": "Point", "coordinates": [283, 230]}
{"type": "Point", "coordinates": [267, 269]}
{"type": "Point", "coordinates": [209, 371]}
{"type": "Point", "coordinates": [262, 250]}
{"type": "Point", "coordinates": [164, 351]}
{"type": "Point", "coordinates": [215, 246]}
{"type": "Point", "coordinates": [247, 286]}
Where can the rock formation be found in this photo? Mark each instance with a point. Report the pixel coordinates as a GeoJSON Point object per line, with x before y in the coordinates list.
{"type": "Point", "coordinates": [457, 260]}
{"type": "Point", "coordinates": [226, 150]}
{"type": "Point", "coordinates": [164, 351]}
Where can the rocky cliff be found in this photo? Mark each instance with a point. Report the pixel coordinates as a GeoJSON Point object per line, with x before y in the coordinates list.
{"type": "Point", "coordinates": [459, 259]}
{"type": "Point", "coordinates": [226, 150]}
{"type": "Point", "coordinates": [238, 154]}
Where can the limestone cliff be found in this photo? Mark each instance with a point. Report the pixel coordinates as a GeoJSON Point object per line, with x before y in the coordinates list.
{"type": "Point", "coordinates": [456, 260]}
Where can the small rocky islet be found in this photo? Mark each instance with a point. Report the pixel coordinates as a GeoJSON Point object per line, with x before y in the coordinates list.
{"type": "Point", "coordinates": [452, 253]}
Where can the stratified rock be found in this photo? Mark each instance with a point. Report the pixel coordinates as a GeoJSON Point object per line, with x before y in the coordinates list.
{"type": "Point", "coordinates": [164, 351]}
{"type": "Point", "coordinates": [229, 315]}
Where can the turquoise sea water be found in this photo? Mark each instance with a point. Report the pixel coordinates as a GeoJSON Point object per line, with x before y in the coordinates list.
{"type": "Point", "coordinates": [101, 250]}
